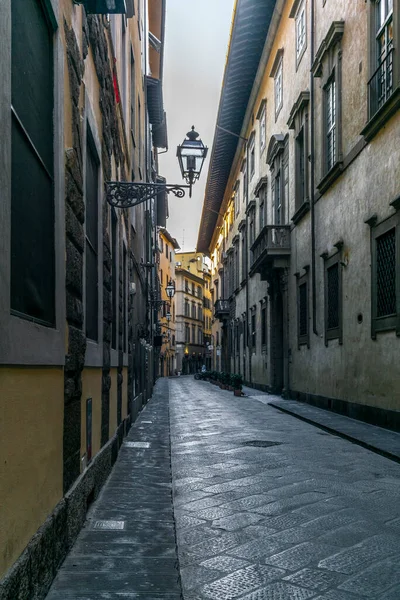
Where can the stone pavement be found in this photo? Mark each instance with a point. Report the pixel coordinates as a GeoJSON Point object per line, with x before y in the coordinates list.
{"type": "Point", "coordinates": [266, 506]}
{"type": "Point", "coordinates": [269, 507]}
{"type": "Point", "coordinates": [127, 550]}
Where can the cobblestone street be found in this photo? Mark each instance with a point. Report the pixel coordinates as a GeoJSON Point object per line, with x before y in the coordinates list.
{"type": "Point", "coordinates": [266, 506]}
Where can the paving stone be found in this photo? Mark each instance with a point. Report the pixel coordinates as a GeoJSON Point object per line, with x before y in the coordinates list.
{"type": "Point", "coordinates": [194, 576]}
{"type": "Point", "coordinates": [236, 521]}
{"type": "Point", "coordinates": [338, 595]}
{"type": "Point", "coordinates": [184, 521]}
{"type": "Point", "coordinates": [280, 591]}
{"type": "Point", "coordinates": [196, 535]}
{"type": "Point", "coordinates": [372, 582]}
{"type": "Point", "coordinates": [316, 579]}
{"type": "Point", "coordinates": [353, 559]}
{"type": "Point", "coordinates": [240, 582]}
{"type": "Point", "coordinates": [299, 556]}
{"type": "Point", "coordinates": [225, 563]}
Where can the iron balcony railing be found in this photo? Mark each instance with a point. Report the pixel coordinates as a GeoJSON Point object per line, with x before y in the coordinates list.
{"type": "Point", "coordinates": [273, 241]}
{"type": "Point", "coordinates": [380, 86]}
{"type": "Point", "coordinates": [221, 309]}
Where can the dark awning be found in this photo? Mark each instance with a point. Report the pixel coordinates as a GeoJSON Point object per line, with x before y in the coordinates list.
{"type": "Point", "coordinates": [249, 32]}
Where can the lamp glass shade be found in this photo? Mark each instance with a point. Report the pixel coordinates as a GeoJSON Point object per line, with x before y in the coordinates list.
{"type": "Point", "coordinates": [170, 289]}
{"type": "Point", "coordinates": [191, 154]}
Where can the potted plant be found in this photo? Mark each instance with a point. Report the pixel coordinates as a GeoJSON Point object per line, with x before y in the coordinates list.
{"type": "Point", "coordinates": [237, 382]}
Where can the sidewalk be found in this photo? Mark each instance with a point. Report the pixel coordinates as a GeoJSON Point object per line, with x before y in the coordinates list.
{"type": "Point", "coordinates": [127, 549]}
{"type": "Point", "coordinates": [377, 439]}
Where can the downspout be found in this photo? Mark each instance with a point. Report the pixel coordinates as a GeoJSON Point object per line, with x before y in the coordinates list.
{"type": "Point", "coordinates": [312, 171]}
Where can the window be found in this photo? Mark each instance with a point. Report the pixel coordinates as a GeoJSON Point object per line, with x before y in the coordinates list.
{"type": "Point", "coordinates": [301, 34]}
{"type": "Point", "coordinates": [244, 271]}
{"type": "Point", "coordinates": [91, 243]}
{"type": "Point", "coordinates": [133, 100]}
{"type": "Point", "coordinates": [140, 135]}
{"type": "Point", "coordinates": [303, 310]}
{"type": "Point", "coordinates": [382, 82]}
{"type": "Point", "coordinates": [264, 326]}
{"type": "Point", "coordinates": [386, 275]}
{"type": "Point", "coordinates": [186, 285]}
{"type": "Point", "coordinates": [330, 123]}
{"type": "Point", "coordinates": [236, 266]}
{"type": "Point", "coordinates": [253, 330]}
{"type": "Point", "coordinates": [166, 250]}
{"type": "Point", "coordinates": [161, 244]}
{"type": "Point", "coordinates": [245, 186]}
{"type": "Point", "coordinates": [262, 119]}
{"type": "Point", "coordinates": [199, 294]}
{"type": "Point", "coordinates": [278, 161]}
{"type": "Point", "coordinates": [199, 336]}
{"type": "Point", "coordinates": [193, 334]}
{"type": "Point", "coordinates": [187, 333]}
{"type": "Point", "coordinates": [333, 298]}
{"type": "Point", "coordinates": [262, 210]}
{"type": "Point", "coordinates": [236, 198]}
{"type": "Point", "coordinates": [161, 278]}
{"type": "Point", "coordinates": [252, 160]}
{"type": "Point", "coordinates": [278, 83]}
{"type": "Point", "coordinates": [193, 310]}
{"type": "Point", "coordinates": [327, 65]}
{"type": "Point", "coordinates": [114, 279]}
{"type": "Point", "coordinates": [298, 121]}
{"type": "Point", "coordinates": [193, 289]}
{"type": "Point", "coordinates": [32, 294]}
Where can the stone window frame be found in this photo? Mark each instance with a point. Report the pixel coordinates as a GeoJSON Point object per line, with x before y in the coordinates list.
{"type": "Point", "coordinates": [94, 349]}
{"type": "Point", "coordinates": [330, 261]}
{"type": "Point", "coordinates": [391, 322]}
{"type": "Point", "coordinates": [236, 198]}
{"type": "Point", "coordinates": [277, 75]}
{"type": "Point", "coordinates": [243, 250]}
{"type": "Point", "coordinates": [376, 121]}
{"type": "Point", "coordinates": [299, 8]}
{"type": "Point", "coordinates": [278, 162]}
{"type": "Point", "coordinates": [23, 342]}
{"type": "Point", "coordinates": [299, 123]}
{"type": "Point", "coordinates": [303, 339]}
{"type": "Point", "coordinates": [328, 67]}
{"type": "Point", "coordinates": [262, 119]}
{"type": "Point", "coordinates": [243, 170]}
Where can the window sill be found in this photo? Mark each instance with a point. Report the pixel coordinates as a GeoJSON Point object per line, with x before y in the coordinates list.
{"type": "Point", "coordinates": [330, 177]}
{"type": "Point", "coordinates": [300, 212]}
{"type": "Point", "coordinates": [382, 324]}
{"type": "Point", "coordinates": [379, 119]}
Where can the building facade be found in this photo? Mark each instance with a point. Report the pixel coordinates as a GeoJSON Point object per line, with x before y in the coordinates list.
{"type": "Point", "coordinates": [305, 256]}
{"type": "Point", "coordinates": [190, 271]}
{"type": "Point", "coordinates": [166, 247]}
{"type": "Point", "coordinates": [82, 106]}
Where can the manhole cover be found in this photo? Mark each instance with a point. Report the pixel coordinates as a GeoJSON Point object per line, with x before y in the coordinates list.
{"type": "Point", "coordinates": [261, 443]}
{"type": "Point", "coordinates": [107, 525]}
{"type": "Point", "coordinates": [137, 444]}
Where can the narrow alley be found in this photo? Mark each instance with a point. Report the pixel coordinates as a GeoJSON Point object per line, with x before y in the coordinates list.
{"type": "Point", "coordinates": [265, 507]}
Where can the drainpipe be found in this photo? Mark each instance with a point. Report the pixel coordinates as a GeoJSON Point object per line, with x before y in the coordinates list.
{"type": "Point", "coordinates": [312, 171]}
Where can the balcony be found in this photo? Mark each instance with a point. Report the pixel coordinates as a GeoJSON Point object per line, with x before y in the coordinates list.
{"type": "Point", "coordinates": [380, 86]}
{"type": "Point", "coordinates": [270, 250]}
{"type": "Point", "coordinates": [221, 309]}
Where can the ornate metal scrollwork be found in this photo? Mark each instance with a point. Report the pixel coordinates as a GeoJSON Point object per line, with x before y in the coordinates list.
{"type": "Point", "coordinates": [125, 194]}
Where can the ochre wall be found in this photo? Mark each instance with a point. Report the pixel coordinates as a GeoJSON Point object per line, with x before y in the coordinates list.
{"type": "Point", "coordinates": [31, 450]}
{"type": "Point", "coordinates": [91, 388]}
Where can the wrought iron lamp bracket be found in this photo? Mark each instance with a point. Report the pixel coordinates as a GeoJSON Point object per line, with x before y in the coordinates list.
{"type": "Point", "coordinates": [125, 194]}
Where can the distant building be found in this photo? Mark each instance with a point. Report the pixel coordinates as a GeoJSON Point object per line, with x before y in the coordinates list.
{"type": "Point", "coordinates": [166, 252]}
{"type": "Point", "coordinates": [305, 252]}
{"type": "Point", "coordinates": [191, 275]}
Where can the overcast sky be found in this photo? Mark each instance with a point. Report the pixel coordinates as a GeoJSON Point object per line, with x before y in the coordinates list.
{"type": "Point", "coordinates": [197, 33]}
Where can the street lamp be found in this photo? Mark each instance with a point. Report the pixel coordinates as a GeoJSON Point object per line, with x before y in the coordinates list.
{"type": "Point", "coordinates": [191, 154]}
{"type": "Point", "coordinates": [168, 316]}
{"type": "Point", "coordinates": [170, 288]}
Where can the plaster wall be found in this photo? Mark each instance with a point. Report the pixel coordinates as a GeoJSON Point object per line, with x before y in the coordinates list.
{"type": "Point", "coordinates": [31, 442]}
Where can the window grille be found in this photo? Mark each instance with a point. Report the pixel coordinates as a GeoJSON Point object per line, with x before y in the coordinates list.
{"type": "Point", "coordinates": [303, 312]}
{"type": "Point", "coordinates": [386, 273]}
{"type": "Point", "coordinates": [330, 124]}
{"type": "Point", "coordinates": [114, 249]}
{"type": "Point", "coordinates": [278, 89]}
{"type": "Point", "coordinates": [333, 296]}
